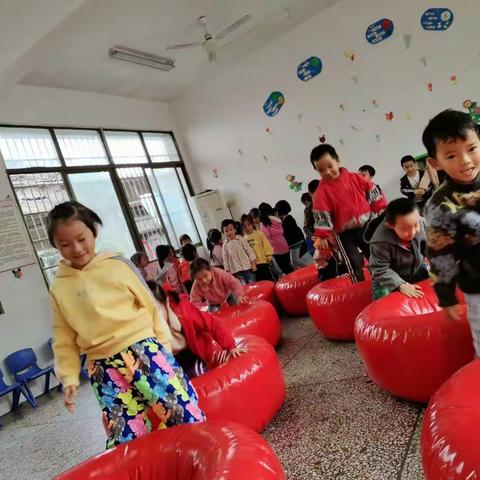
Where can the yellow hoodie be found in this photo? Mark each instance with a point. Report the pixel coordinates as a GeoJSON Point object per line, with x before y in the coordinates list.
{"type": "Point", "coordinates": [260, 245]}
{"type": "Point", "coordinates": [99, 310]}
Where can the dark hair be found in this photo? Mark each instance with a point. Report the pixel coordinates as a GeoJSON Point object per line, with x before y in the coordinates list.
{"type": "Point", "coordinates": [447, 125]}
{"type": "Point", "coordinates": [71, 210]}
{"type": "Point", "coordinates": [135, 258]}
{"type": "Point", "coordinates": [249, 219]}
{"type": "Point", "coordinates": [407, 158]}
{"type": "Point", "coordinates": [312, 186]}
{"type": "Point", "coordinates": [198, 265]}
{"type": "Point", "coordinates": [283, 207]}
{"type": "Point", "coordinates": [162, 251]}
{"type": "Point", "coordinates": [214, 236]}
{"type": "Point", "coordinates": [228, 221]}
{"type": "Point", "coordinates": [161, 295]}
{"type": "Point", "coordinates": [266, 211]}
{"type": "Point", "coordinates": [306, 197]}
{"type": "Point", "coordinates": [320, 150]}
{"type": "Point", "coordinates": [398, 207]}
{"type": "Point", "coordinates": [368, 168]}
{"type": "Point", "coordinates": [184, 238]}
{"type": "Point", "coordinates": [238, 228]}
{"type": "Point", "coordinates": [255, 213]}
{"type": "Point", "coordinates": [189, 252]}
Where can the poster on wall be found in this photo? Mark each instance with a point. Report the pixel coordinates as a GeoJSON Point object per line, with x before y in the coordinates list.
{"type": "Point", "coordinates": [379, 31]}
{"type": "Point", "coordinates": [309, 68]}
{"type": "Point", "coordinates": [15, 248]}
{"type": "Point", "coordinates": [273, 104]}
{"type": "Point", "coordinates": [438, 19]}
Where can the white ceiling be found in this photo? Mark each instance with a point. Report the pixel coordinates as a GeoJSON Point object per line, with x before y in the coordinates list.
{"type": "Point", "coordinates": [71, 52]}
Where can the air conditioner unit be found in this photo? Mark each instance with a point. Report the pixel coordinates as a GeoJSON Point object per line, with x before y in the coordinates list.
{"type": "Point", "coordinates": [212, 208]}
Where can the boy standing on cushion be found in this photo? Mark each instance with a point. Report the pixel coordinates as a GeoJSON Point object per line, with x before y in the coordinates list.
{"type": "Point", "coordinates": [343, 204]}
{"type": "Point", "coordinates": [397, 248]}
{"type": "Point", "coordinates": [453, 214]}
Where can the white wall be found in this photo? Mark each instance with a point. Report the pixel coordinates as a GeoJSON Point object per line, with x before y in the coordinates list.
{"type": "Point", "coordinates": [26, 321]}
{"type": "Point", "coordinates": [225, 114]}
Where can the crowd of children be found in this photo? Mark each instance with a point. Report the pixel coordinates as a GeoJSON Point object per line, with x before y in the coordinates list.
{"type": "Point", "coordinates": [145, 337]}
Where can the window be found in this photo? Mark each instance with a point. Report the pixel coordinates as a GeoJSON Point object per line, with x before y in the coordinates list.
{"type": "Point", "coordinates": [118, 174]}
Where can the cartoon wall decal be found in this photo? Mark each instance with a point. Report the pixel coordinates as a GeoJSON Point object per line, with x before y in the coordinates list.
{"type": "Point", "coordinates": [350, 55]}
{"type": "Point", "coordinates": [407, 40]}
{"type": "Point", "coordinates": [309, 68]}
{"type": "Point", "coordinates": [389, 116]}
{"type": "Point", "coordinates": [430, 87]}
{"type": "Point", "coordinates": [473, 108]}
{"type": "Point", "coordinates": [215, 172]}
{"type": "Point", "coordinates": [273, 104]}
{"type": "Point", "coordinates": [454, 80]}
{"type": "Point", "coordinates": [379, 31]}
{"type": "Point", "coordinates": [424, 61]}
{"type": "Point", "coordinates": [375, 103]}
{"type": "Point", "coordinates": [294, 185]}
{"type": "Point", "coordinates": [322, 139]}
{"type": "Point", "coordinates": [437, 19]}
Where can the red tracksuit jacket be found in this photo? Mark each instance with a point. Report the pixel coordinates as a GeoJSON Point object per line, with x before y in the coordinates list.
{"type": "Point", "coordinates": [205, 333]}
{"type": "Point", "coordinates": [345, 203]}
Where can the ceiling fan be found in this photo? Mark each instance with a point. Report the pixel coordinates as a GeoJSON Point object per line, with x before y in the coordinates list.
{"type": "Point", "coordinates": [210, 42]}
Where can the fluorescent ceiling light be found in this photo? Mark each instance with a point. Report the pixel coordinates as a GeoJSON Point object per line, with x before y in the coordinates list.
{"type": "Point", "coordinates": [142, 58]}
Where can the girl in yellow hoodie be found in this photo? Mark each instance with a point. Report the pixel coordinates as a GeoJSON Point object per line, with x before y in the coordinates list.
{"type": "Point", "coordinates": [102, 308]}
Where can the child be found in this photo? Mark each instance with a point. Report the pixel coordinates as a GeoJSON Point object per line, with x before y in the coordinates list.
{"type": "Point", "coordinates": [255, 214]}
{"type": "Point", "coordinates": [101, 307]}
{"type": "Point", "coordinates": [200, 341]}
{"type": "Point", "coordinates": [294, 236]}
{"type": "Point", "coordinates": [214, 286]}
{"type": "Point", "coordinates": [452, 214]}
{"type": "Point", "coordinates": [215, 247]}
{"type": "Point", "coordinates": [272, 228]}
{"type": "Point", "coordinates": [410, 183]}
{"type": "Point", "coordinates": [261, 247]}
{"type": "Point", "coordinates": [146, 268]}
{"type": "Point", "coordinates": [189, 254]}
{"type": "Point", "coordinates": [397, 250]}
{"type": "Point", "coordinates": [343, 204]}
{"type": "Point", "coordinates": [312, 186]}
{"type": "Point", "coordinates": [238, 257]}
{"type": "Point", "coordinates": [308, 221]}
{"type": "Point", "coordinates": [166, 271]}
{"type": "Point", "coordinates": [184, 239]}
{"type": "Point", "coordinates": [368, 172]}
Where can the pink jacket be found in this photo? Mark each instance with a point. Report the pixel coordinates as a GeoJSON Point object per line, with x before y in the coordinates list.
{"type": "Point", "coordinates": [223, 284]}
{"type": "Point", "coordinates": [168, 274]}
{"type": "Point", "coordinates": [274, 233]}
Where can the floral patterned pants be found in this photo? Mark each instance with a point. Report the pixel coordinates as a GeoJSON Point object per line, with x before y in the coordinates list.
{"type": "Point", "coordinates": [142, 377]}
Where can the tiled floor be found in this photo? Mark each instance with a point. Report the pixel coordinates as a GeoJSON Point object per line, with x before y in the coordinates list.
{"type": "Point", "coordinates": [335, 423]}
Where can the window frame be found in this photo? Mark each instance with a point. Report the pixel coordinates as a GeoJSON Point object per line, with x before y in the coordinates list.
{"type": "Point", "coordinates": [111, 168]}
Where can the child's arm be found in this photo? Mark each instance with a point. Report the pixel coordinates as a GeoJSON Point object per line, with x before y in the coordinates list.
{"type": "Point", "coordinates": [375, 196]}
{"type": "Point", "coordinates": [267, 247]}
{"type": "Point", "coordinates": [196, 295]}
{"type": "Point", "coordinates": [382, 268]}
{"type": "Point", "coordinates": [232, 284]}
{"type": "Point", "coordinates": [441, 232]}
{"type": "Point", "coordinates": [323, 216]}
{"type": "Point", "coordinates": [226, 262]}
{"type": "Point", "coordinates": [65, 349]}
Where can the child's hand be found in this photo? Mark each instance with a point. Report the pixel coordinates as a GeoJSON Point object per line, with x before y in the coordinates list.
{"type": "Point", "coordinates": [254, 267]}
{"type": "Point", "coordinates": [454, 312]}
{"type": "Point", "coordinates": [68, 397]}
{"type": "Point", "coordinates": [321, 244]}
{"type": "Point", "coordinates": [236, 352]}
{"type": "Point", "coordinates": [412, 291]}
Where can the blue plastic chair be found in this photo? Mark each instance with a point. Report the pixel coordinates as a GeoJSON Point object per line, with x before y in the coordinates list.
{"type": "Point", "coordinates": [23, 364]}
{"type": "Point", "coordinates": [17, 388]}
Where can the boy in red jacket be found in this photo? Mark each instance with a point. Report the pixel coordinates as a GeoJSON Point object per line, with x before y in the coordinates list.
{"type": "Point", "coordinates": [342, 204]}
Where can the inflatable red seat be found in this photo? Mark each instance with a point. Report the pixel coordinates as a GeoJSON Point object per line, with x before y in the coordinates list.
{"type": "Point", "coordinates": [253, 317]}
{"type": "Point", "coordinates": [450, 427]}
{"type": "Point", "coordinates": [409, 346]}
{"type": "Point", "coordinates": [334, 305]}
{"type": "Point", "coordinates": [292, 289]}
{"type": "Point", "coordinates": [199, 451]}
{"type": "Point", "coordinates": [263, 290]}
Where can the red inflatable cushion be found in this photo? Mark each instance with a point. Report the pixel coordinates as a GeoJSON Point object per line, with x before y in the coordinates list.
{"type": "Point", "coordinates": [263, 290]}
{"type": "Point", "coordinates": [292, 289]}
{"type": "Point", "coordinates": [253, 317]}
{"type": "Point", "coordinates": [450, 450]}
{"type": "Point", "coordinates": [200, 451]}
{"type": "Point", "coordinates": [334, 305]}
{"type": "Point", "coordinates": [409, 346]}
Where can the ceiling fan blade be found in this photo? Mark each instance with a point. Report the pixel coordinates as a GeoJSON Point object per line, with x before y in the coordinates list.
{"type": "Point", "coordinates": [184, 45]}
{"type": "Point", "coordinates": [233, 26]}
